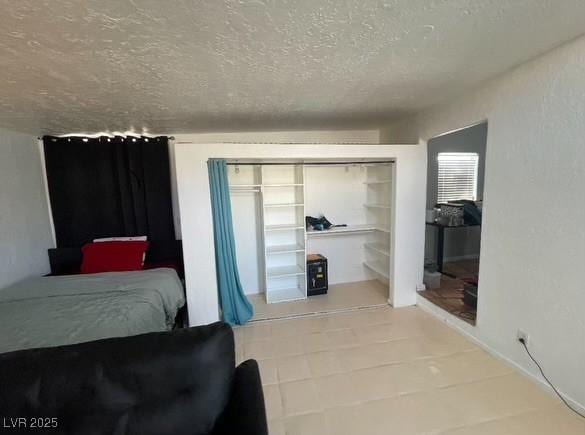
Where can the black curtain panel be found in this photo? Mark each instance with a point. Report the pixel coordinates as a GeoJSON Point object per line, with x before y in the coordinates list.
{"type": "Point", "coordinates": [107, 187]}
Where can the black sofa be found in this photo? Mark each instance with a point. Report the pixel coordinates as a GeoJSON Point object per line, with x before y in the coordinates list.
{"type": "Point", "coordinates": [180, 382]}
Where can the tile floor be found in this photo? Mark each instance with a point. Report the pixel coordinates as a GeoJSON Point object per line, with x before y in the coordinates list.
{"type": "Point", "coordinates": [450, 295]}
{"type": "Point", "coordinates": [339, 297]}
{"type": "Point", "coordinates": [391, 371]}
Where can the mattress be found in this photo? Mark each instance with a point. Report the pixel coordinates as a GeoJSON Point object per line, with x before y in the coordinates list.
{"type": "Point", "coordinates": [60, 310]}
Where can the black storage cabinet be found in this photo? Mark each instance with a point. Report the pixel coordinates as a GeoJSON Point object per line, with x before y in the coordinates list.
{"type": "Point", "coordinates": [317, 282]}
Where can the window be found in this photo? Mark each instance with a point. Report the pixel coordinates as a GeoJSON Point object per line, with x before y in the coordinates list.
{"type": "Point", "coordinates": [457, 176]}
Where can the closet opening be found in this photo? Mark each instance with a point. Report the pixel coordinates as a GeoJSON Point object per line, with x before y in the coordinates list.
{"type": "Point", "coordinates": [313, 236]}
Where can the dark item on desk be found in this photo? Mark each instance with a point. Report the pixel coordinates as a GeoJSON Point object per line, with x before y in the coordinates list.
{"type": "Point", "coordinates": [319, 224]}
{"type": "Point", "coordinates": [317, 281]}
{"type": "Point", "coordinates": [471, 213]}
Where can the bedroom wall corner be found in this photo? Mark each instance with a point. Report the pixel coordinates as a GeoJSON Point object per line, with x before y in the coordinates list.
{"type": "Point", "coordinates": [25, 228]}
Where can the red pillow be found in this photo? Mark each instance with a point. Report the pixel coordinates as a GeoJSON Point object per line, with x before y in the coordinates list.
{"type": "Point", "coordinates": [113, 256]}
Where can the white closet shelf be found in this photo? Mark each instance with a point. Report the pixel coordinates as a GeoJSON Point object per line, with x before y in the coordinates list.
{"type": "Point", "coordinates": [241, 186]}
{"type": "Point", "coordinates": [284, 227]}
{"type": "Point", "coordinates": [378, 182]}
{"type": "Point", "coordinates": [384, 206]}
{"type": "Point", "coordinates": [284, 249]}
{"type": "Point", "coordinates": [284, 295]}
{"type": "Point", "coordinates": [284, 185]}
{"type": "Point", "coordinates": [283, 205]}
{"type": "Point", "coordinates": [284, 271]}
{"type": "Point", "coordinates": [379, 248]}
{"type": "Point", "coordinates": [378, 268]}
{"type": "Point", "coordinates": [344, 230]}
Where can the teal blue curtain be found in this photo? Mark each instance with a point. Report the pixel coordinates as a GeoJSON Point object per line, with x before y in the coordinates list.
{"type": "Point", "coordinates": [235, 307]}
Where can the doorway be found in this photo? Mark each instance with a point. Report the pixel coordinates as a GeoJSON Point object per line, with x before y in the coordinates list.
{"type": "Point", "coordinates": [455, 180]}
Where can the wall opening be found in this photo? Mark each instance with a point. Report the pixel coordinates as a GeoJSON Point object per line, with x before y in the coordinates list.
{"type": "Point", "coordinates": [455, 178]}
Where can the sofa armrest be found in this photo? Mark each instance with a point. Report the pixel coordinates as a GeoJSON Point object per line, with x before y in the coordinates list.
{"type": "Point", "coordinates": [245, 413]}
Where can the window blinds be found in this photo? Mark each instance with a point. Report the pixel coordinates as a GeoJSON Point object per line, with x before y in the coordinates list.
{"type": "Point", "coordinates": [457, 176]}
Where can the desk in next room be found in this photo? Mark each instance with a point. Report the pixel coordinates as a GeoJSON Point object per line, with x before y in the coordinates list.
{"type": "Point", "coordinates": [441, 242]}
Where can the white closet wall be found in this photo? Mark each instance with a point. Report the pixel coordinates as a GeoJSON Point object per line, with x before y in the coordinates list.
{"type": "Point", "coordinates": [247, 219]}
{"type": "Point", "coordinates": [339, 193]}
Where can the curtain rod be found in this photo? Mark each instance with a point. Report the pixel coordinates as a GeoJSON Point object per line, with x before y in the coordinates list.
{"type": "Point", "coordinates": [310, 163]}
{"type": "Point", "coordinates": [105, 135]}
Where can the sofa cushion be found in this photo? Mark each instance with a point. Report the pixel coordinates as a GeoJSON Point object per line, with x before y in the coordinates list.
{"type": "Point", "coordinates": [171, 382]}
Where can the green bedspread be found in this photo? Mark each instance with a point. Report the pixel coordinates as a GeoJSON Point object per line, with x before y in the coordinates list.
{"type": "Point", "coordinates": [59, 310]}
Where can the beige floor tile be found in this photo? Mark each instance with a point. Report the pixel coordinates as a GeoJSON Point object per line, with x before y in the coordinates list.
{"type": "Point", "coordinates": [324, 363]}
{"type": "Point", "coordinates": [273, 401]}
{"type": "Point", "coordinates": [300, 397]}
{"type": "Point", "coordinates": [406, 350]}
{"type": "Point", "coordinates": [293, 368]}
{"type": "Point", "coordinates": [550, 421]}
{"type": "Point", "coordinates": [402, 372]}
{"type": "Point", "coordinates": [461, 368]}
{"type": "Point", "coordinates": [276, 427]}
{"type": "Point", "coordinates": [347, 420]}
{"type": "Point", "coordinates": [258, 331]}
{"type": "Point", "coordinates": [307, 424]}
{"type": "Point", "coordinates": [240, 357]}
{"type": "Point", "coordinates": [339, 297]}
{"type": "Point", "coordinates": [369, 317]}
{"type": "Point", "coordinates": [287, 347]}
{"type": "Point", "coordinates": [340, 321]}
{"type": "Point", "coordinates": [268, 371]}
{"type": "Point", "coordinates": [337, 390]}
{"type": "Point", "coordinates": [316, 342]}
{"type": "Point", "coordinates": [362, 357]}
{"type": "Point", "coordinates": [238, 335]}
{"type": "Point", "coordinates": [388, 381]}
{"type": "Point", "coordinates": [410, 414]}
{"type": "Point", "coordinates": [258, 350]}
{"type": "Point", "coordinates": [285, 328]}
{"type": "Point", "coordinates": [342, 338]}
{"type": "Point", "coordinates": [382, 332]}
{"type": "Point", "coordinates": [495, 398]}
{"type": "Point", "coordinates": [410, 349]}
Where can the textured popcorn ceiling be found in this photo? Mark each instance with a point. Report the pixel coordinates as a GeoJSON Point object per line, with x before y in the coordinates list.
{"type": "Point", "coordinates": [221, 65]}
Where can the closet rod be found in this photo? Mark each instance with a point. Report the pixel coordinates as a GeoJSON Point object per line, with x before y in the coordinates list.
{"type": "Point", "coordinates": [311, 163]}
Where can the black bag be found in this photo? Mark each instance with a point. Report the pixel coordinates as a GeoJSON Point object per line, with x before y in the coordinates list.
{"type": "Point", "coordinates": [318, 224]}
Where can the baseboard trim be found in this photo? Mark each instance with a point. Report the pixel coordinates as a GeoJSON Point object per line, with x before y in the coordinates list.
{"type": "Point", "coordinates": [469, 331]}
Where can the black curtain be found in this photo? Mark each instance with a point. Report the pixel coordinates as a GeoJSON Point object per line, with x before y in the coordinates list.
{"type": "Point", "coordinates": [106, 187]}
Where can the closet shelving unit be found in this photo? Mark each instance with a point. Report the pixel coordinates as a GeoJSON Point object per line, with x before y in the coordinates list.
{"type": "Point", "coordinates": [342, 230]}
{"type": "Point", "coordinates": [283, 216]}
{"type": "Point", "coordinates": [379, 211]}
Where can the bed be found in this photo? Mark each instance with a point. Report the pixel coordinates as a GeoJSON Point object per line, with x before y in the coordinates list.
{"type": "Point", "coordinates": [59, 310]}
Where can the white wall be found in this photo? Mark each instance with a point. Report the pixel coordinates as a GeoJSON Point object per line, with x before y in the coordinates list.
{"type": "Point", "coordinates": [195, 209]}
{"type": "Point", "coordinates": [533, 237]}
{"type": "Point", "coordinates": [25, 231]}
{"type": "Point", "coordinates": [248, 236]}
{"type": "Point", "coordinates": [339, 193]}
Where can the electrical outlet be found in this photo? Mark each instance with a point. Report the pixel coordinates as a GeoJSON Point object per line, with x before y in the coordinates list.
{"type": "Point", "coordinates": [522, 336]}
